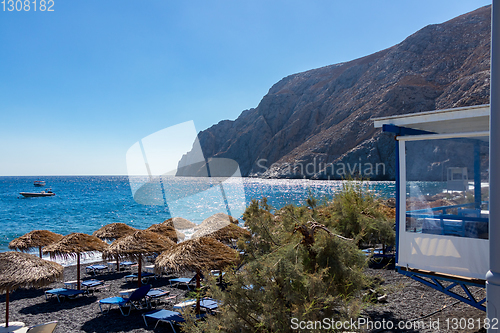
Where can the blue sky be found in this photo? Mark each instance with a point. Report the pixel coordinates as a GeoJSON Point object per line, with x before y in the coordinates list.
{"type": "Point", "coordinates": [80, 85]}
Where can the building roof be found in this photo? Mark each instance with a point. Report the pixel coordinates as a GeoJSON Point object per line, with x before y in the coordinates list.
{"type": "Point", "coordinates": [458, 120]}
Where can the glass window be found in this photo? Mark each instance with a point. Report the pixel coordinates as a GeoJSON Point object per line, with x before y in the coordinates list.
{"type": "Point", "coordinates": [447, 187]}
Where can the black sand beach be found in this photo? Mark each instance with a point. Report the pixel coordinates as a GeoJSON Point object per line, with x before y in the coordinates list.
{"type": "Point", "coordinates": [82, 314]}
{"type": "Point", "coordinates": [407, 300]}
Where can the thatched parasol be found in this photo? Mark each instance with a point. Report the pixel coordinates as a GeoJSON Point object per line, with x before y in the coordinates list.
{"type": "Point", "coordinates": [22, 270]}
{"type": "Point", "coordinates": [180, 223]}
{"type": "Point", "coordinates": [72, 245]}
{"type": "Point", "coordinates": [165, 230]}
{"type": "Point", "coordinates": [180, 236]}
{"type": "Point", "coordinates": [196, 255]}
{"type": "Point", "coordinates": [34, 239]}
{"type": "Point", "coordinates": [217, 221]}
{"type": "Point", "coordinates": [142, 242]}
{"type": "Point", "coordinates": [224, 235]}
{"type": "Point", "coordinates": [114, 231]}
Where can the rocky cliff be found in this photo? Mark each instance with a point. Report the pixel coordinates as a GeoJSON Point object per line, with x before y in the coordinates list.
{"type": "Point", "coordinates": [316, 124]}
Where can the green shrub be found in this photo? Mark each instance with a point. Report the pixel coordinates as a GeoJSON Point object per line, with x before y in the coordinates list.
{"type": "Point", "coordinates": [356, 213]}
{"type": "Point", "coordinates": [295, 267]}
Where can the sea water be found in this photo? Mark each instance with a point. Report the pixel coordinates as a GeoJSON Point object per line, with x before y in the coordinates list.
{"type": "Point", "coordinates": [86, 203]}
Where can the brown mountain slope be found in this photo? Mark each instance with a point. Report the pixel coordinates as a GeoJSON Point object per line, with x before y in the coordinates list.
{"type": "Point", "coordinates": [323, 115]}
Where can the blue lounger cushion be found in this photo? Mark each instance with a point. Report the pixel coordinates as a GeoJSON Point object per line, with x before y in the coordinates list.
{"type": "Point", "coordinates": [128, 263]}
{"type": "Point", "coordinates": [96, 268]}
{"type": "Point", "coordinates": [167, 316]}
{"type": "Point", "coordinates": [208, 304]}
{"type": "Point", "coordinates": [137, 300]}
{"type": "Point", "coordinates": [187, 281]}
{"type": "Point", "coordinates": [143, 275]}
{"type": "Point", "coordinates": [63, 292]}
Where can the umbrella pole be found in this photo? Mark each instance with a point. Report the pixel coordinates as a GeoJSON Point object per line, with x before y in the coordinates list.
{"type": "Point", "coordinates": [7, 309]}
{"type": "Point", "coordinates": [117, 263]}
{"type": "Point", "coordinates": [198, 291]}
{"type": "Point", "coordinates": [40, 251]}
{"type": "Point", "coordinates": [139, 277]}
{"type": "Point", "coordinates": [78, 271]}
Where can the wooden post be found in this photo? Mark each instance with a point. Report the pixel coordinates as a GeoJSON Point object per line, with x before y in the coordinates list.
{"type": "Point", "coordinates": [139, 271]}
{"type": "Point", "coordinates": [198, 287]}
{"type": "Point", "coordinates": [78, 271]}
{"type": "Point", "coordinates": [7, 309]}
{"type": "Point", "coordinates": [40, 251]}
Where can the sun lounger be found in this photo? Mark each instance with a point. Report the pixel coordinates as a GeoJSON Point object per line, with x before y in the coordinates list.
{"type": "Point", "coordinates": [136, 300]}
{"type": "Point", "coordinates": [187, 281]}
{"type": "Point", "coordinates": [156, 295]}
{"type": "Point", "coordinates": [94, 269]}
{"type": "Point", "coordinates": [209, 304]}
{"type": "Point", "coordinates": [184, 304]}
{"type": "Point", "coordinates": [128, 263]}
{"type": "Point", "coordinates": [92, 285]}
{"type": "Point", "coordinates": [166, 316]}
{"type": "Point", "coordinates": [41, 328]}
{"type": "Point", "coordinates": [217, 273]}
{"type": "Point", "coordinates": [144, 276]}
{"type": "Point", "coordinates": [63, 292]}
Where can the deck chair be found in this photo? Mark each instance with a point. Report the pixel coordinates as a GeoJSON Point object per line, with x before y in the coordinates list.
{"type": "Point", "coordinates": [187, 281]}
{"type": "Point", "coordinates": [167, 316]}
{"type": "Point", "coordinates": [94, 269]}
{"type": "Point", "coordinates": [137, 300]}
{"type": "Point", "coordinates": [64, 293]}
{"type": "Point", "coordinates": [41, 328]}
{"type": "Point", "coordinates": [144, 276]}
{"type": "Point", "coordinates": [127, 264]}
{"type": "Point", "coordinates": [209, 304]}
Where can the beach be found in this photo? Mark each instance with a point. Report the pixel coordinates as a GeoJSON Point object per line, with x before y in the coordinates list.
{"type": "Point", "coordinates": [406, 300]}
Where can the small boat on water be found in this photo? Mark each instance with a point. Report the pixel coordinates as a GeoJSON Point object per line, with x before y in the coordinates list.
{"type": "Point", "coordinates": [39, 183]}
{"type": "Point", "coordinates": [49, 193]}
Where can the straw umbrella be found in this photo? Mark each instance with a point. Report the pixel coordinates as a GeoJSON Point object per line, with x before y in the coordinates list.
{"type": "Point", "coordinates": [180, 223]}
{"type": "Point", "coordinates": [142, 242]}
{"type": "Point", "coordinates": [165, 230]}
{"type": "Point", "coordinates": [112, 232]}
{"type": "Point", "coordinates": [22, 270]}
{"type": "Point", "coordinates": [34, 239]}
{"type": "Point", "coordinates": [72, 245]}
{"type": "Point", "coordinates": [217, 221]}
{"type": "Point", "coordinates": [224, 235]}
{"type": "Point", "coordinates": [196, 255]}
